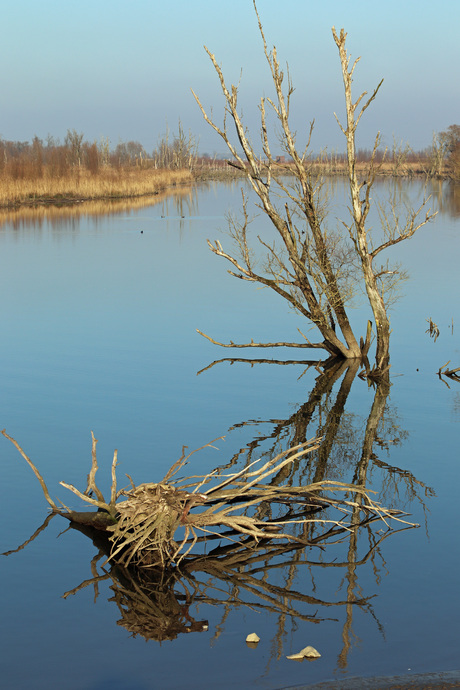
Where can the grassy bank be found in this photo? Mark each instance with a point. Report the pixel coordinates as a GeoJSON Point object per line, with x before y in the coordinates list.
{"type": "Point", "coordinates": [80, 184]}
{"type": "Point", "coordinates": [34, 215]}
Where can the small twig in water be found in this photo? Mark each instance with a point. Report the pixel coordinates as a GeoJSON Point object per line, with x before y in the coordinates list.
{"type": "Point", "coordinates": [432, 329]}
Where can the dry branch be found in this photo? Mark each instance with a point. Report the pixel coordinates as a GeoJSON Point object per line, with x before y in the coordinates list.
{"type": "Point", "coordinates": [433, 330]}
{"type": "Point", "coordinates": [156, 525]}
{"type": "Point", "coordinates": [35, 471]}
{"type": "Point", "coordinates": [253, 344]}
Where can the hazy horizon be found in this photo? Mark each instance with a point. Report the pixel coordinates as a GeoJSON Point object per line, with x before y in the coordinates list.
{"type": "Point", "coordinates": [125, 71]}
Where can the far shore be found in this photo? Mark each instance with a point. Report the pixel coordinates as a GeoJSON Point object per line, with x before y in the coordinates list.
{"type": "Point", "coordinates": [222, 169]}
{"type": "Point", "coordinates": [80, 185]}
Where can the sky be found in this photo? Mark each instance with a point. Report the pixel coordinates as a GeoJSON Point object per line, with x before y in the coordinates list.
{"type": "Point", "coordinates": [124, 70]}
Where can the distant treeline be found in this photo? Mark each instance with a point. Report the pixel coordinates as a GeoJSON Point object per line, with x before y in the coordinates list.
{"type": "Point", "coordinates": [440, 159]}
{"type": "Point", "coordinates": [22, 160]}
{"type": "Point", "coordinates": [55, 159]}
{"type": "Point", "coordinates": [75, 170]}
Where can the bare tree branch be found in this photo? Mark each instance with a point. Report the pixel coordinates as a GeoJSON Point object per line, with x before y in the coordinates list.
{"type": "Point", "coordinates": [253, 344]}
{"type": "Point", "coordinates": [35, 471]}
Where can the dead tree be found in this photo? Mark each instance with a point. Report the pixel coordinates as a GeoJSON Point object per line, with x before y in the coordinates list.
{"type": "Point", "coordinates": [312, 266]}
{"type": "Point", "coordinates": [377, 279]}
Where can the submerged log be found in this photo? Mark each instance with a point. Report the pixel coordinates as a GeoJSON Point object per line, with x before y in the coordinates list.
{"type": "Point", "coordinates": [99, 520]}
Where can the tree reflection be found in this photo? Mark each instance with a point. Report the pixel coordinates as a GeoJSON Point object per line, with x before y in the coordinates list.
{"type": "Point", "coordinates": [350, 451]}
{"type": "Point", "coordinates": [447, 195]}
{"type": "Point", "coordinates": [159, 604]}
{"type": "Point", "coordinates": [351, 446]}
{"type": "Point", "coordinates": [269, 576]}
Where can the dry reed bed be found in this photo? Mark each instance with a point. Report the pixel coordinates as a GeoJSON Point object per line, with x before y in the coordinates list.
{"type": "Point", "coordinates": [57, 213]}
{"type": "Point", "coordinates": [385, 169]}
{"type": "Point", "coordinates": [82, 185]}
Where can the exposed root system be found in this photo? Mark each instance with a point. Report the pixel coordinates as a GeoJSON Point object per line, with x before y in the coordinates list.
{"type": "Point", "coordinates": [157, 525]}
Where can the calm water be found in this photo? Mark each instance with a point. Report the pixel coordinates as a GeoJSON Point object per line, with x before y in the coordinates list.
{"type": "Point", "coordinates": [99, 313]}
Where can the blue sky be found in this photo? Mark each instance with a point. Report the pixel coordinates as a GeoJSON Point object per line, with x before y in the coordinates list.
{"type": "Point", "coordinates": [123, 69]}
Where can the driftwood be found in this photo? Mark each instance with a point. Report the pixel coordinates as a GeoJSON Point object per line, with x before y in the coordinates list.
{"type": "Point", "coordinates": [157, 525]}
{"type": "Point", "coordinates": [318, 364]}
{"type": "Point", "coordinates": [232, 532]}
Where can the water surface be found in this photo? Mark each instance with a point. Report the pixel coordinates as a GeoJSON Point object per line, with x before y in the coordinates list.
{"type": "Point", "coordinates": [99, 313]}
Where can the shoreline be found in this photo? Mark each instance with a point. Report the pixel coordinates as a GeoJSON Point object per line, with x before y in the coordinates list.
{"type": "Point", "coordinates": [81, 186]}
{"type": "Point", "coordinates": [407, 172]}
{"type": "Point", "coordinates": [136, 189]}
{"type": "Point", "coordinates": [437, 680]}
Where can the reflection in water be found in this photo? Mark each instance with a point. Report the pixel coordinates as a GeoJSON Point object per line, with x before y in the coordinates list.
{"type": "Point", "coordinates": [157, 604]}
{"type": "Point", "coordinates": [182, 201]}
{"type": "Point", "coordinates": [175, 200]}
{"type": "Point", "coordinates": [175, 203]}
{"type": "Point", "coordinates": [161, 604]}
{"type": "Point", "coordinates": [324, 415]}
{"type": "Point", "coordinates": [447, 195]}
{"type": "Point", "coordinates": [346, 454]}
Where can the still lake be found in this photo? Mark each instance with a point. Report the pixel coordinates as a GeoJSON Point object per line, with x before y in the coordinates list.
{"type": "Point", "coordinates": [99, 310]}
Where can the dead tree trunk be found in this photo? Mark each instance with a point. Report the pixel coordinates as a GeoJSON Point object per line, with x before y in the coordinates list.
{"type": "Point", "coordinates": [312, 267]}
{"type": "Point", "coordinates": [374, 279]}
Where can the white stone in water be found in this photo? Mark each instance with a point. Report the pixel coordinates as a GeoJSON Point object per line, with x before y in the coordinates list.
{"type": "Point", "coordinates": [253, 637]}
{"type": "Point", "coordinates": [306, 653]}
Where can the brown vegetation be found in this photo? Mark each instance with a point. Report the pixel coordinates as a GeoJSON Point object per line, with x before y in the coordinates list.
{"type": "Point", "coordinates": [58, 213]}
{"type": "Point", "coordinates": [82, 185]}
{"type": "Point", "coordinates": [77, 170]}
{"type": "Point", "coordinates": [397, 160]}
{"type": "Point", "coordinates": [419, 164]}
{"type": "Point", "coordinates": [449, 143]}
{"type": "Point", "coordinates": [53, 173]}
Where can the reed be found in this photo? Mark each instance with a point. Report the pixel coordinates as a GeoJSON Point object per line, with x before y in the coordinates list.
{"type": "Point", "coordinates": [34, 215]}
{"type": "Point", "coordinates": [79, 184]}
